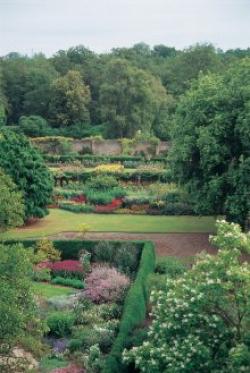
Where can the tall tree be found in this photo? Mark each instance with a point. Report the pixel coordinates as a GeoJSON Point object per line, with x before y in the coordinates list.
{"type": "Point", "coordinates": [70, 100]}
{"type": "Point", "coordinates": [211, 142]}
{"type": "Point", "coordinates": [20, 160]}
{"type": "Point", "coordinates": [179, 71]}
{"type": "Point", "coordinates": [11, 203]}
{"type": "Point", "coordinates": [130, 99]}
{"type": "Point", "coordinates": [27, 85]}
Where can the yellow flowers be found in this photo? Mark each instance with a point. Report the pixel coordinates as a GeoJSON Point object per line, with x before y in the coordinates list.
{"type": "Point", "coordinates": [110, 167]}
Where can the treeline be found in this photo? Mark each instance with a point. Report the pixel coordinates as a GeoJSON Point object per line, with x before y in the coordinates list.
{"type": "Point", "coordinates": [81, 93]}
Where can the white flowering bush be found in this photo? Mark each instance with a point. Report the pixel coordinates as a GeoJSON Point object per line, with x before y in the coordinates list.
{"type": "Point", "coordinates": [202, 322]}
{"type": "Point", "coordinates": [230, 236]}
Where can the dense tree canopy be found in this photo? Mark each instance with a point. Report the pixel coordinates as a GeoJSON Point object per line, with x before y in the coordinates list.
{"type": "Point", "coordinates": [27, 85]}
{"type": "Point", "coordinates": [31, 85]}
{"type": "Point", "coordinates": [22, 162]}
{"type": "Point", "coordinates": [211, 142]}
{"type": "Point", "coordinates": [11, 203]}
{"type": "Point", "coordinates": [130, 99]}
{"type": "Point", "coordinates": [70, 100]}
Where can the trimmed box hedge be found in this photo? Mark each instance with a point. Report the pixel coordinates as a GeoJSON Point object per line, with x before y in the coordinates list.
{"type": "Point", "coordinates": [134, 311]}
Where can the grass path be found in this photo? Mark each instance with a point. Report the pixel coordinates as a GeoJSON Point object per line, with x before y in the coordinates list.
{"type": "Point", "coordinates": [47, 290]}
{"type": "Point", "coordinates": [62, 221]}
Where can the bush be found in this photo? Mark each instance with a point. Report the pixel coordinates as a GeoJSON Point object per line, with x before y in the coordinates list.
{"type": "Point", "coordinates": [34, 125]}
{"type": "Point", "coordinates": [45, 250]}
{"type": "Point", "coordinates": [78, 208]}
{"type": "Point", "coordinates": [72, 282]}
{"type": "Point", "coordinates": [171, 266]}
{"type": "Point", "coordinates": [105, 284]}
{"type": "Point", "coordinates": [124, 256]}
{"type": "Point", "coordinates": [101, 182]}
{"type": "Point", "coordinates": [42, 274]}
{"type": "Point", "coordinates": [99, 198]}
{"type": "Point", "coordinates": [110, 311]}
{"type": "Point", "coordinates": [66, 268]}
{"type": "Point", "coordinates": [60, 323]}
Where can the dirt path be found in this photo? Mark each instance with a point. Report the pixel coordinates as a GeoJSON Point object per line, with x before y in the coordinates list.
{"type": "Point", "coordinates": [177, 244]}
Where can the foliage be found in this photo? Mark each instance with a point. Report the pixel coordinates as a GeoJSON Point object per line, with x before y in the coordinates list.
{"type": "Point", "coordinates": [210, 151]}
{"type": "Point", "coordinates": [230, 236]}
{"type": "Point", "coordinates": [85, 258]}
{"type": "Point", "coordinates": [130, 98]}
{"type": "Point", "coordinates": [171, 266]}
{"type": "Point", "coordinates": [65, 268]}
{"type": "Point", "coordinates": [33, 125]}
{"type": "Point", "coordinates": [17, 308]}
{"type": "Point", "coordinates": [125, 256]}
{"type": "Point", "coordinates": [11, 203]}
{"type": "Point", "coordinates": [134, 308]}
{"type": "Point", "coordinates": [60, 323]}
{"type": "Point", "coordinates": [201, 320]}
{"type": "Point", "coordinates": [78, 208]}
{"type": "Point", "coordinates": [105, 284]}
{"type": "Point", "coordinates": [70, 100]}
{"type": "Point", "coordinates": [41, 274]}
{"type": "Point", "coordinates": [72, 282]}
{"type": "Point", "coordinates": [24, 164]}
{"type": "Point", "coordinates": [101, 182]}
{"type": "Point", "coordinates": [45, 251]}
{"type": "Point", "coordinates": [49, 363]}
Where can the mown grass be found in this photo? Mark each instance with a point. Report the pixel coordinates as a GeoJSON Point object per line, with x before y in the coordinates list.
{"type": "Point", "coordinates": [48, 291]}
{"type": "Point", "coordinates": [61, 221]}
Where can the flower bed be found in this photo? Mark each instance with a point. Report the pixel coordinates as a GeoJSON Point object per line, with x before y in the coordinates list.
{"type": "Point", "coordinates": [64, 268]}
{"type": "Point", "coordinates": [96, 326]}
{"type": "Point", "coordinates": [110, 207]}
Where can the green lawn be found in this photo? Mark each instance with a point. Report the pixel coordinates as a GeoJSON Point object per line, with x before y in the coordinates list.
{"type": "Point", "coordinates": [61, 221]}
{"type": "Point", "coordinates": [48, 291]}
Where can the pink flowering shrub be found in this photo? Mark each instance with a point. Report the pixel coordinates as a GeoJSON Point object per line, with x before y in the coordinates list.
{"type": "Point", "coordinates": [106, 284]}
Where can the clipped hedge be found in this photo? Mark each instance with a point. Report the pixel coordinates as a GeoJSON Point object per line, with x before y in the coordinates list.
{"type": "Point", "coordinates": [98, 159]}
{"type": "Point", "coordinates": [134, 311]}
{"type": "Point", "coordinates": [79, 208]}
{"type": "Point", "coordinates": [70, 249]}
{"type": "Point", "coordinates": [163, 176]}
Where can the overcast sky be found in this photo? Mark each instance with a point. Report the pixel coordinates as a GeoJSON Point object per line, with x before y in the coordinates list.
{"type": "Point", "coordinates": [30, 26]}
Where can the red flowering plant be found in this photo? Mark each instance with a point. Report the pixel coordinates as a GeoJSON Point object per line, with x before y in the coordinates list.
{"type": "Point", "coordinates": [65, 268]}
{"type": "Point", "coordinates": [79, 199]}
{"type": "Point", "coordinates": [115, 204]}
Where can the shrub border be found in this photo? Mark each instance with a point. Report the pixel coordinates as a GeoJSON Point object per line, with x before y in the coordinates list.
{"type": "Point", "coordinates": [135, 305]}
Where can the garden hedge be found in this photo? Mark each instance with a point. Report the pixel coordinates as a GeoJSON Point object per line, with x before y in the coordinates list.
{"type": "Point", "coordinates": [134, 311]}
{"type": "Point", "coordinates": [163, 176]}
{"type": "Point", "coordinates": [99, 159]}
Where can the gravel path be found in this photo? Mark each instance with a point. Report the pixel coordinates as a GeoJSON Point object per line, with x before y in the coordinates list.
{"type": "Point", "coordinates": [176, 244]}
